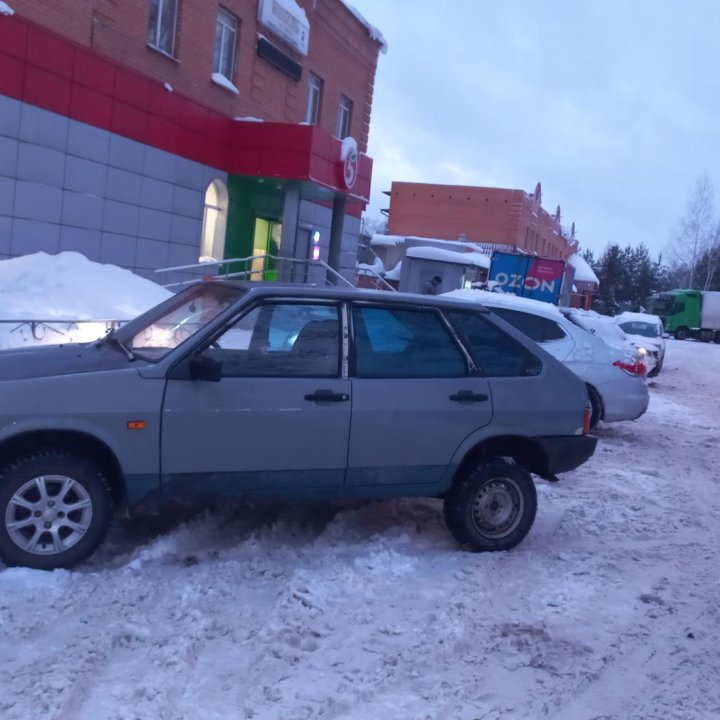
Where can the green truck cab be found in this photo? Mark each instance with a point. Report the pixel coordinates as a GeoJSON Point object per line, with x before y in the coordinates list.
{"type": "Point", "coordinates": [689, 313]}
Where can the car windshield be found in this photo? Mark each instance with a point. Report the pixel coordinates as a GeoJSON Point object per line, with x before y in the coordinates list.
{"type": "Point", "coordinates": [636, 327]}
{"type": "Point", "coordinates": [161, 329]}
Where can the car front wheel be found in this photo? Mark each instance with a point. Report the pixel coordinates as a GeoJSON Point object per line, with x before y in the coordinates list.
{"type": "Point", "coordinates": [55, 507]}
{"type": "Point", "coordinates": [492, 507]}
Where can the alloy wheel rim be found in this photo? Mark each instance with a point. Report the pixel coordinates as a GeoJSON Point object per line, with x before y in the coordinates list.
{"type": "Point", "coordinates": [48, 514]}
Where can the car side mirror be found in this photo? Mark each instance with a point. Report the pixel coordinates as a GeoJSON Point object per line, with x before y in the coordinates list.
{"type": "Point", "coordinates": [207, 368]}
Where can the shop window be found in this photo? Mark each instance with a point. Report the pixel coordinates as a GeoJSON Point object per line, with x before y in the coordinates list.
{"type": "Point", "coordinates": [214, 220]}
{"type": "Point", "coordinates": [344, 115]}
{"type": "Point", "coordinates": [314, 99]}
{"type": "Point", "coordinates": [225, 44]}
{"type": "Point", "coordinates": [162, 25]}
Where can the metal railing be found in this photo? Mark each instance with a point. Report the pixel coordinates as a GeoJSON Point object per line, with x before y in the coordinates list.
{"type": "Point", "coordinates": [21, 332]}
{"type": "Point", "coordinates": [257, 268]}
{"type": "Point", "coordinates": [273, 267]}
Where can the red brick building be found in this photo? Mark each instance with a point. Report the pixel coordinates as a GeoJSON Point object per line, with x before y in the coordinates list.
{"type": "Point", "coordinates": [488, 216]}
{"type": "Point", "coordinates": [130, 130]}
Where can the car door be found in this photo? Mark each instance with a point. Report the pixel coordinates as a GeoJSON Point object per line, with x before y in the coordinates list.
{"type": "Point", "coordinates": [279, 416]}
{"type": "Point", "coordinates": [414, 399]}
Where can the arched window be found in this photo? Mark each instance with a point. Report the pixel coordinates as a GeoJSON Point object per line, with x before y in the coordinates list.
{"type": "Point", "coordinates": [214, 221]}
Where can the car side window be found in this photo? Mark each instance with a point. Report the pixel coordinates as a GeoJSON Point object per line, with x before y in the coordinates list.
{"type": "Point", "coordinates": [495, 353]}
{"type": "Point", "coordinates": [281, 340]}
{"type": "Point", "coordinates": [397, 342]}
{"type": "Point", "coordinates": [537, 328]}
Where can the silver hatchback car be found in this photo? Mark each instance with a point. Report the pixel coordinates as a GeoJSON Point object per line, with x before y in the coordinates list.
{"type": "Point", "coordinates": [231, 389]}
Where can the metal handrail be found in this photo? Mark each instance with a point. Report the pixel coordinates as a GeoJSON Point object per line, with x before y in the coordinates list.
{"type": "Point", "coordinates": [248, 273]}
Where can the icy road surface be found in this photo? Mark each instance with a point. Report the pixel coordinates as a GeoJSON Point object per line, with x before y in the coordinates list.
{"type": "Point", "coordinates": [610, 610]}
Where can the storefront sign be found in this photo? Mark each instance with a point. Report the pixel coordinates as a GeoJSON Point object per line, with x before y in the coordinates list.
{"type": "Point", "coordinates": [287, 20]}
{"type": "Point", "coordinates": [350, 169]}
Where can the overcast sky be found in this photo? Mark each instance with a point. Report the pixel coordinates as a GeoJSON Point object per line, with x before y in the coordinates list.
{"type": "Point", "coordinates": [613, 106]}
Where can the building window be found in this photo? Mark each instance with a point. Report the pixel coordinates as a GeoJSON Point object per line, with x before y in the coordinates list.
{"type": "Point", "coordinates": [315, 86]}
{"type": "Point", "coordinates": [162, 25]}
{"type": "Point", "coordinates": [214, 221]}
{"type": "Point", "coordinates": [225, 44]}
{"type": "Point", "coordinates": [344, 115]}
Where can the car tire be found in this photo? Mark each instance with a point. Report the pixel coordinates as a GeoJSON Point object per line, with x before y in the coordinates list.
{"type": "Point", "coordinates": [492, 507]}
{"type": "Point", "coordinates": [55, 510]}
{"type": "Point", "coordinates": [596, 404]}
{"type": "Point", "coordinates": [681, 333]}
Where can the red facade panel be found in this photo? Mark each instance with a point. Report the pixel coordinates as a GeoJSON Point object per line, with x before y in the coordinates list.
{"type": "Point", "coordinates": [47, 90]}
{"type": "Point", "coordinates": [91, 89]}
{"type": "Point", "coordinates": [50, 53]}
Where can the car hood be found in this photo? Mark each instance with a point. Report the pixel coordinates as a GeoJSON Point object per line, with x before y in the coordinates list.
{"type": "Point", "coordinates": [53, 360]}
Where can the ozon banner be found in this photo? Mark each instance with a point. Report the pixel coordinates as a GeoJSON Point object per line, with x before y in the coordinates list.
{"type": "Point", "coordinates": [537, 278]}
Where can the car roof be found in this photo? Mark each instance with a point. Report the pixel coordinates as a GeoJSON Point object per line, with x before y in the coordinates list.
{"type": "Point", "coordinates": [507, 300]}
{"type": "Point", "coordinates": [292, 290]}
{"type": "Point", "coordinates": [638, 317]}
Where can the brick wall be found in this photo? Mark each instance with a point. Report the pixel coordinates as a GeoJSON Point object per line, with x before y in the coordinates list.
{"type": "Point", "coordinates": [341, 52]}
{"type": "Point", "coordinates": [482, 215]}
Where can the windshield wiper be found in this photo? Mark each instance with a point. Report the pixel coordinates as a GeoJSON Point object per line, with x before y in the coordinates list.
{"type": "Point", "coordinates": [110, 337]}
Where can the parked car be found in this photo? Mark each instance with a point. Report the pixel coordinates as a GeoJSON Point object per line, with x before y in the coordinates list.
{"type": "Point", "coordinates": [230, 389]}
{"type": "Point", "coordinates": [605, 327]}
{"type": "Point", "coordinates": [647, 330]}
{"type": "Point", "coordinates": [615, 383]}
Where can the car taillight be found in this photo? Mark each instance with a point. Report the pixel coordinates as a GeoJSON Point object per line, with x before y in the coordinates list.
{"type": "Point", "coordinates": [637, 369]}
{"type": "Point", "coordinates": [586, 420]}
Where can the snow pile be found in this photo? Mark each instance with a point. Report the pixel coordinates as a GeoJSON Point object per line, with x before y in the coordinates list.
{"type": "Point", "coordinates": [5, 9]}
{"type": "Point", "coordinates": [448, 256]}
{"type": "Point", "coordinates": [222, 81]}
{"type": "Point", "coordinates": [583, 271]}
{"type": "Point", "coordinates": [374, 33]}
{"type": "Point", "coordinates": [68, 286]}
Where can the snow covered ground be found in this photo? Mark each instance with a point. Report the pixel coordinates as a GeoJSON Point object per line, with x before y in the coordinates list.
{"type": "Point", "coordinates": [610, 609]}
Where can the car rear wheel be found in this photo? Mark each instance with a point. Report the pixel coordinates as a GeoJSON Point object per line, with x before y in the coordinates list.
{"type": "Point", "coordinates": [492, 507]}
{"type": "Point", "coordinates": [55, 508]}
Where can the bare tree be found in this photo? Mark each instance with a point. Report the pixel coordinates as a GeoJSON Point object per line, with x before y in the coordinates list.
{"type": "Point", "coordinates": [696, 234]}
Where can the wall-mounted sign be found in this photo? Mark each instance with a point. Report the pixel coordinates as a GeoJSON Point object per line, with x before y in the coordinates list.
{"type": "Point", "coordinates": [350, 169]}
{"type": "Point", "coordinates": [287, 20]}
{"type": "Point", "coordinates": [349, 159]}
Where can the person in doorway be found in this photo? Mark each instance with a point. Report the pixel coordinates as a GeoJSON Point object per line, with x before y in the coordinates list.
{"type": "Point", "coordinates": [432, 287]}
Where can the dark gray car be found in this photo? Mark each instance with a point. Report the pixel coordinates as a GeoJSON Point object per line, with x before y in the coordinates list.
{"type": "Point", "coordinates": [231, 389]}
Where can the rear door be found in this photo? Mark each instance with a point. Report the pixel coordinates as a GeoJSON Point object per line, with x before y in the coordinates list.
{"type": "Point", "coordinates": [414, 399]}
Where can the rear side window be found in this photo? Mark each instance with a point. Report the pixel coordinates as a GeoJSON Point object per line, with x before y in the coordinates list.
{"type": "Point", "coordinates": [401, 343]}
{"type": "Point", "coordinates": [495, 353]}
{"type": "Point", "coordinates": [537, 328]}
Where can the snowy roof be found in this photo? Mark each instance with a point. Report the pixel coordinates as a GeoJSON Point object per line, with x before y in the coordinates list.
{"type": "Point", "coordinates": [388, 240]}
{"type": "Point", "coordinates": [449, 256]}
{"type": "Point", "coordinates": [583, 272]}
{"type": "Point", "coordinates": [638, 317]}
{"type": "Point", "coordinates": [373, 32]}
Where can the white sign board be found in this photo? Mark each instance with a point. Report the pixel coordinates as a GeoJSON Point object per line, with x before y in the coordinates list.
{"type": "Point", "coordinates": [287, 20]}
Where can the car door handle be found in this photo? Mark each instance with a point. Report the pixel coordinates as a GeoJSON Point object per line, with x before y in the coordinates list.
{"type": "Point", "coordinates": [327, 396]}
{"type": "Point", "coordinates": [468, 396]}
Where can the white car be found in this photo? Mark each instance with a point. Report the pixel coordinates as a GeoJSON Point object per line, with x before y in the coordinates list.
{"type": "Point", "coordinates": [648, 330]}
{"type": "Point", "coordinates": [615, 382]}
{"type": "Point", "coordinates": [609, 331]}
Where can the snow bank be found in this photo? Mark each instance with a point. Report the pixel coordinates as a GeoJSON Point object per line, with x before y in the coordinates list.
{"type": "Point", "coordinates": [68, 286]}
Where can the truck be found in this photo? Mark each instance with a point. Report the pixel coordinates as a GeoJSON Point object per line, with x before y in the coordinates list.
{"type": "Point", "coordinates": [689, 313]}
{"type": "Point", "coordinates": [538, 278]}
